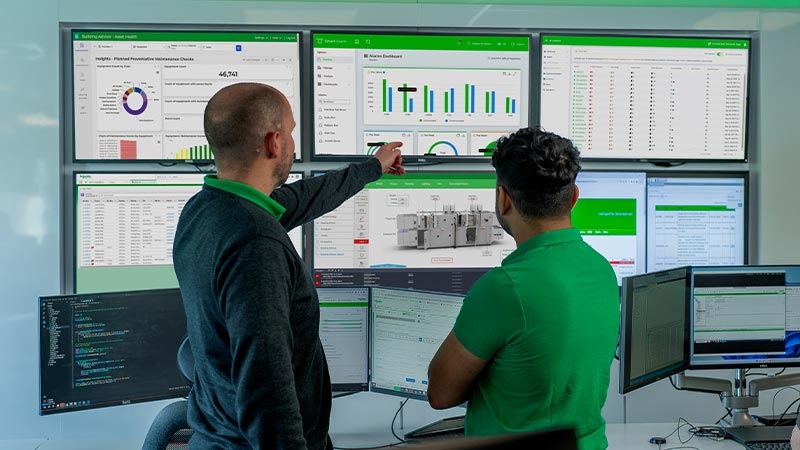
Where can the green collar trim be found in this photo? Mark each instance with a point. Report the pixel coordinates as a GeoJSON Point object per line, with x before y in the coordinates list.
{"type": "Point", "coordinates": [248, 193]}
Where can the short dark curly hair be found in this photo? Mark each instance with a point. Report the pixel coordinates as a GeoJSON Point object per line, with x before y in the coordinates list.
{"type": "Point", "coordinates": [538, 169]}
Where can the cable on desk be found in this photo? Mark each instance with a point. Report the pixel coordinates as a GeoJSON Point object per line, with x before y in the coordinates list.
{"type": "Point", "coordinates": [710, 432]}
{"type": "Point", "coordinates": [395, 418]}
{"type": "Point", "coordinates": [394, 444]}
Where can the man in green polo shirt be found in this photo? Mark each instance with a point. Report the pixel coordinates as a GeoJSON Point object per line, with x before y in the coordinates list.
{"type": "Point", "coordinates": [261, 380]}
{"type": "Point", "coordinates": [533, 343]}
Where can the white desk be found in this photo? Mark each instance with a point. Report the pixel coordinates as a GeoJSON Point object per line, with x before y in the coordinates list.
{"type": "Point", "coordinates": [637, 435]}
{"type": "Point", "coordinates": [620, 437]}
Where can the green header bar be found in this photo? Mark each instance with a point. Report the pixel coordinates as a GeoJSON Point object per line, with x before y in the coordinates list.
{"type": "Point", "coordinates": [342, 304]}
{"type": "Point", "coordinates": [199, 183]}
{"type": "Point", "coordinates": [625, 41]}
{"type": "Point", "coordinates": [605, 217]}
{"type": "Point", "coordinates": [182, 36]}
{"type": "Point", "coordinates": [693, 208]}
{"type": "Point", "coordinates": [755, 4]}
{"type": "Point", "coordinates": [422, 42]}
{"type": "Point", "coordinates": [442, 180]}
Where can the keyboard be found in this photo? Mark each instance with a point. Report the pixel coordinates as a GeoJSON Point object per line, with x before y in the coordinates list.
{"type": "Point", "coordinates": [441, 429]}
{"type": "Point", "coordinates": [783, 445]}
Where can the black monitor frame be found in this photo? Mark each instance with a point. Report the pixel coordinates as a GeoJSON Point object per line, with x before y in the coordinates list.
{"type": "Point", "coordinates": [397, 390]}
{"type": "Point", "coordinates": [155, 355]}
{"type": "Point", "coordinates": [736, 174]}
{"type": "Point", "coordinates": [749, 128]}
{"type": "Point", "coordinates": [68, 78]}
{"type": "Point", "coordinates": [627, 318]}
{"type": "Point", "coordinates": [763, 361]}
{"type": "Point", "coordinates": [354, 387]}
{"type": "Point", "coordinates": [421, 31]}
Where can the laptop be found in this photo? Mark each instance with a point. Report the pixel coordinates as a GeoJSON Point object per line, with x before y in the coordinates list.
{"type": "Point", "coordinates": [554, 439]}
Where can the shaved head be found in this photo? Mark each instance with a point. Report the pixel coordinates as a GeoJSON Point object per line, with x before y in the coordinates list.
{"type": "Point", "coordinates": [237, 119]}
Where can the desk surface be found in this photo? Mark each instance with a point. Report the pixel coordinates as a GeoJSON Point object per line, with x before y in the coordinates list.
{"type": "Point", "coordinates": [620, 437]}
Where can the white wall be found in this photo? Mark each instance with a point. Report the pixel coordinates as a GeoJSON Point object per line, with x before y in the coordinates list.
{"type": "Point", "coordinates": [30, 244]}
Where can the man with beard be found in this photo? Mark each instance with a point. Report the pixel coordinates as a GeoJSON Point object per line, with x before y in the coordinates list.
{"type": "Point", "coordinates": [533, 343]}
{"type": "Point", "coordinates": [261, 380]}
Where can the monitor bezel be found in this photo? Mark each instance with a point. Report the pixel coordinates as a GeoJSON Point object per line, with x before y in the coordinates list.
{"type": "Point", "coordinates": [737, 174]}
{"type": "Point", "coordinates": [734, 363]}
{"type": "Point", "coordinates": [355, 387]}
{"type": "Point", "coordinates": [424, 31]}
{"type": "Point", "coordinates": [626, 322]}
{"type": "Point", "coordinates": [67, 78]}
{"type": "Point", "coordinates": [749, 128]}
{"type": "Point", "coordinates": [177, 393]}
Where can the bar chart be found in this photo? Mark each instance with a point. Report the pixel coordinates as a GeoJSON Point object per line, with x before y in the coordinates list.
{"type": "Point", "coordinates": [406, 96]}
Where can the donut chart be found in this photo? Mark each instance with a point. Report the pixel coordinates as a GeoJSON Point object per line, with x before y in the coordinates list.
{"type": "Point", "coordinates": [129, 109]}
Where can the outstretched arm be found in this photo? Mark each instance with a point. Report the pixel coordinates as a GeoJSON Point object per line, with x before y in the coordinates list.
{"type": "Point", "coordinates": [307, 199]}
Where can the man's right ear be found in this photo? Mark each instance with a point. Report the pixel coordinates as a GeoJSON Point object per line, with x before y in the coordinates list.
{"type": "Point", "coordinates": [504, 204]}
{"type": "Point", "coordinates": [271, 144]}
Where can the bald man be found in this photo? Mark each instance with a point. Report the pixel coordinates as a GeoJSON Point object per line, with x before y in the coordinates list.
{"type": "Point", "coordinates": [261, 380]}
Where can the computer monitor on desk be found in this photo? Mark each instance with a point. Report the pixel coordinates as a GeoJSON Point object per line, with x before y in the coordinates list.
{"type": "Point", "coordinates": [344, 332]}
{"type": "Point", "coordinates": [408, 326]}
{"type": "Point", "coordinates": [654, 327]}
{"type": "Point", "coordinates": [743, 317]}
{"type": "Point", "coordinates": [109, 349]}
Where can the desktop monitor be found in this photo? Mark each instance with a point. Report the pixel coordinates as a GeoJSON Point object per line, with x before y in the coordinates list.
{"type": "Point", "coordinates": [745, 316]}
{"type": "Point", "coordinates": [109, 349]}
{"type": "Point", "coordinates": [438, 231]}
{"type": "Point", "coordinates": [445, 96]}
{"type": "Point", "coordinates": [406, 330]}
{"type": "Point", "coordinates": [697, 219]}
{"type": "Point", "coordinates": [654, 327]}
{"type": "Point", "coordinates": [138, 94]}
{"type": "Point", "coordinates": [125, 226]}
{"type": "Point", "coordinates": [627, 97]}
{"type": "Point", "coordinates": [344, 332]}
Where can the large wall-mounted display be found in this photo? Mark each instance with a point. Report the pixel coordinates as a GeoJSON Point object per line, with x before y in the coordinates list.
{"type": "Point", "coordinates": [444, 96]}
{"type": "Point", "coordinates": [140, 94]}
{"type": "Point", "coordinates": [438, 230]}
{"type": "Point", "coordinates": [125, 226]}
{"type": "Point", "coordinates": [645, 97]}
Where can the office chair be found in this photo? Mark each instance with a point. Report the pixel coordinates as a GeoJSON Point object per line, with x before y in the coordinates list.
{"type": "Point", "coordinates": [170, 429]}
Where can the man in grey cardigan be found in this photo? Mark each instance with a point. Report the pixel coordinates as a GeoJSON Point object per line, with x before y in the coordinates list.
{"type": "Point", "coordinates": [261, 379]}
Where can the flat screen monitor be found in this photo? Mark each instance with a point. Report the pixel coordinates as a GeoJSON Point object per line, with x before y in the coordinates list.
{"type": "Point", "coordinates": [745, 316]}
{"type": "Point", "coordinates": [407, 328]}
{"type": "Point", "coordinates": [109, 349]}
{"type": "Point", "coordinates": [647, 97]}
{"type": "Point", "coordinates": [696, 219]}
{"type": "Point", "coordinates": [610, 215]}
{"type": "Point", "coordinates": [654, 328]}
{"type": "Point", "coordinates": [438, 231]}
{"type": "Point", "coordinates": [445, 96]}
{"type": "Point", "coordinates": [344, 332]}
{"type": "Point", "coordinates": [125, 226]}
{"type": "Point", "coordinates": [140, 94]}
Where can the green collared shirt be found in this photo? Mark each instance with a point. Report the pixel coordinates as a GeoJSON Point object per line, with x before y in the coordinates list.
{"type": "Point", "coordinates": [248, 193]}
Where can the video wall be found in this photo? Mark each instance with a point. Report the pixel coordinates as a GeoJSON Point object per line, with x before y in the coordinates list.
{"type": "Point", "coordinates": [135, 95]}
